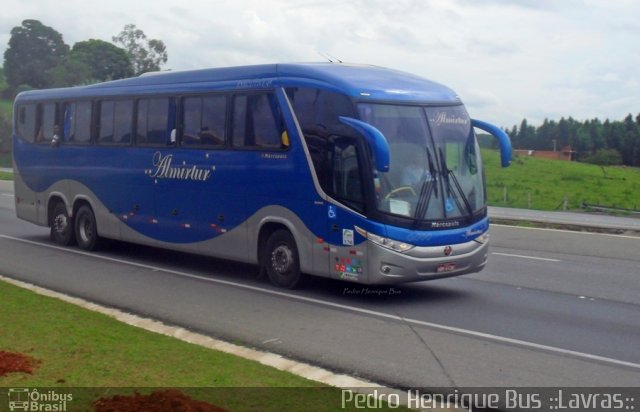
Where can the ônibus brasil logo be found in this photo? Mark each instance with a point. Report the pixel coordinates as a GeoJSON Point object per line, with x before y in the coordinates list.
{"type": "Point", "coordinates": [29, 399]}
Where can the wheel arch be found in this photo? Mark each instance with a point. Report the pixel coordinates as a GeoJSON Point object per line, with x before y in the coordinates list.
{"type": "Point", "coordinates": [54, 199]}
{"type": "Point", "coordinates": [80, 201]}
{"type": "Point", "coordinates": [270, 225]}
{"type": "Point", "coordinates": [267, 228]}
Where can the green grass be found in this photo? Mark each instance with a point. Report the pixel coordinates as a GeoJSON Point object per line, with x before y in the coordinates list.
{"type": "Point", "coordinates": [80, 348]}
{"type": "Point", "coordinates": [5, 159]}
{"type": "Point", "coordinates": [6, 176]}
{"type": "Point", "coordinates": [548, 181]}
{"type": "Point", "coordinates": [6, 107]}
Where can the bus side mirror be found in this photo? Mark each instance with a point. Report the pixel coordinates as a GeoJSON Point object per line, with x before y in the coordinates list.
{"type": "Point", "coordinates": [375, 139]}
{"type": "Point", "coordinates": [498, 133]}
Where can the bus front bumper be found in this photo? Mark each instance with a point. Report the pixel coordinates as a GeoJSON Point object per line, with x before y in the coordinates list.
{"type": "Point", "coordinates": [386, 266]}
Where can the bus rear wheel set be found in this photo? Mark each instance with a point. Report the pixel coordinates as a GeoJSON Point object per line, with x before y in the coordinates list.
{"type": "Point", "coordinates": [281, 259]}
{"type": "Point", "coordinates": [80, 229]}
{"type": "Point", "coordinates": [86, 229]}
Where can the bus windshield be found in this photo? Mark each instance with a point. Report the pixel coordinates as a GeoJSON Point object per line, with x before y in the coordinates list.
{"type": "Point", "coordinates": [435, 169]}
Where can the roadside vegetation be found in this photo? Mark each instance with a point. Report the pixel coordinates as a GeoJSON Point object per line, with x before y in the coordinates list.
{"type": "Point", "coordinates": [6, 109]}
{"type": "Point", "coordinates": [544, 184]}
{"type": "Point", "coordinates": [76, 348]}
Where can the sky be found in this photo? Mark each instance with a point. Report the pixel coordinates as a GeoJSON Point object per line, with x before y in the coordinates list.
{"type": "Point", "coordinates": [507, 59]}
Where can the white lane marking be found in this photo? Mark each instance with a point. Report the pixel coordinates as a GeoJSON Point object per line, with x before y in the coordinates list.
{"type": "Point", "coordinates": [7, 194]}
{"type": "Point", "coordinates": [526, 257]}
{"type": "Point", "coordinates": [436, 326]}
{"type": "Point", "coordinates": [573, 232]}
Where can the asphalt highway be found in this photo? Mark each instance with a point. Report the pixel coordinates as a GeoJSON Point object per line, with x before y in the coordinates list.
{"type": "Point", "coordinates": [552, 308]}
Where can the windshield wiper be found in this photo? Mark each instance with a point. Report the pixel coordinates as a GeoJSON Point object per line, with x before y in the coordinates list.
{"type": "Point", "coordinates": [447, 173]}
{"type": "Point", "coordinates": [427, 188]}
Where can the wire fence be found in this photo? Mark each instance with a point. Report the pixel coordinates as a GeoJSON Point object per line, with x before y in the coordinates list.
{"type": "Point", "coordinates": [537, 201]}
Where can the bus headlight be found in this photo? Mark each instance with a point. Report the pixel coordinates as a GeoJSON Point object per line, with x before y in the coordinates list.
{"type": "Point", "coordinates": [483, 238]}
{"type": "Point", "coordinates": [385, 242]}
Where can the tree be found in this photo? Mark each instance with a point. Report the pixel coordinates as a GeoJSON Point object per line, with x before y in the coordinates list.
{"type": "Point", "coordinates": [5, 133]}
{"type": "Point", "coordinates": [3, 83]}
{"type": "Point", "coordinates": [525, 138]}
{"type": "Point", "coordinates": [106, 60]}
{"type": "Point", "coordinates": [145, 55]}
{"type": "Point", "coordinates": [70, 72]}
{"type": "Point", "coordinates": [34, 49]}
{"type": "Point", "coordinates": [630, 148]}
{"type": "Point", "coordinates": [605, 157]}
{"type": "Point", "coordinates": [583, 144]}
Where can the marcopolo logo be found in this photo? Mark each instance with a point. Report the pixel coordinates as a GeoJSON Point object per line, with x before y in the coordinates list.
{"type": "Point", "coordinates": [28, 399]}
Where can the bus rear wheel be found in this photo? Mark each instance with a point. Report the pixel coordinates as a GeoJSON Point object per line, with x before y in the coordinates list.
{"type": "Point", "coordinates": [62, 225]}
{"type": "Point", "coordinates": [86, 228]}
{"type": "Point", "coordinates": [281, 260]}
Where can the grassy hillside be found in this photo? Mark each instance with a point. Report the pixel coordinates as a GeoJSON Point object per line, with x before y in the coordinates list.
{"type": "Point", "coordinates": [549, 181]}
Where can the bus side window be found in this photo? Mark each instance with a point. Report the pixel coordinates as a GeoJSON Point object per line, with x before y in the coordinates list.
{"type": "Point", "coordinates": [122, 123]}
{"type": "Point", "coordinates": [47, 122]}
{"type": "Point", "coordinates": [68, 128]}
{"type": "Point", "coordinates": [26, 122]}
{"type": "Point", "coordinates": [346, 175]}
{"type": "Point", "coordinates": [105, 135]}
{"type": "Point", "coordinates": [82, 124]}
{"type": "Point", "coordinates": [256, 122]}
{"type": "Point", "coordinates": [318, 112]}
{"type": "Point", "coordinates": [204, 120]}
{"type": "Point", "coordinates": [115, 122]}
{"type": "Point", "coordinates": [77, 122]}
{"type": "Point", "coordinates": [155, 121]}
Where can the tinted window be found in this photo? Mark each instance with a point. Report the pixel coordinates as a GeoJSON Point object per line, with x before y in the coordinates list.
{"type": "Point", "coordinates": [346, 179]}
{"type": "Point", "coordinates": [83, 123]}
{"type": "Point", "coordinates": [26, 122]}
{"type": "Point", "coordinates": [77, 122]}
{"type": "Point", "coordinates": [115, 122]}
{"type": "Point", "coordinates": [257, 122]}
{"type": "Point", "coordinates": [204, 120]}
{"type": "Point", "coordinates": [47, 122]}
{"type": "Point", "coordinates": [155, 123]}
{"type": "Point", "coordinates": [318, 112]}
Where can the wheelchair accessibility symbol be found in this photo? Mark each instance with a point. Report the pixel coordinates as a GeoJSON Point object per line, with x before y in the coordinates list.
{"type": "Point", "coordinates": [332, 212]}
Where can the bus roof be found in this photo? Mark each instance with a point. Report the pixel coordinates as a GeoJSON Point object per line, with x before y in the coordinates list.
{"type": "Point", "coordinates": [357, 81]}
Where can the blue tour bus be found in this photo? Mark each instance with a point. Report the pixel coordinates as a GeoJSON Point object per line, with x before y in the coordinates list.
{"type": "Point", "coordinates": [344, 171]}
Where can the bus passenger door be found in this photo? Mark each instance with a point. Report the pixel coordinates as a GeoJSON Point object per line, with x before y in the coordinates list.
{"type": "Point", "coordinates": [345, 260]}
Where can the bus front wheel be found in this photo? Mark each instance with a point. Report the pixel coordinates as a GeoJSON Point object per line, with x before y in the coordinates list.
{"type": "Point", "coordinates": [86, 229]}
{"type": "Point", "coordinates": [281, 260]}
{"type": "Point", "coordinates": [61, 225]}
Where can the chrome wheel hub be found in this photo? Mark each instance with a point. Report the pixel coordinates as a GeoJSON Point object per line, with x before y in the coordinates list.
{"type": "Point", "coordinates": [60, 223]}
{"type": "Point", "coordinates": [281, 259]}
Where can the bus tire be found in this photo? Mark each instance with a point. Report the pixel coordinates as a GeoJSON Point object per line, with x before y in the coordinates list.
{"type": "Point", "coordinates": [281, 260]}
{"type": "Point", "coordinates": [86, 229]}
{"type": "Point", "coordinates": [62, 231]}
